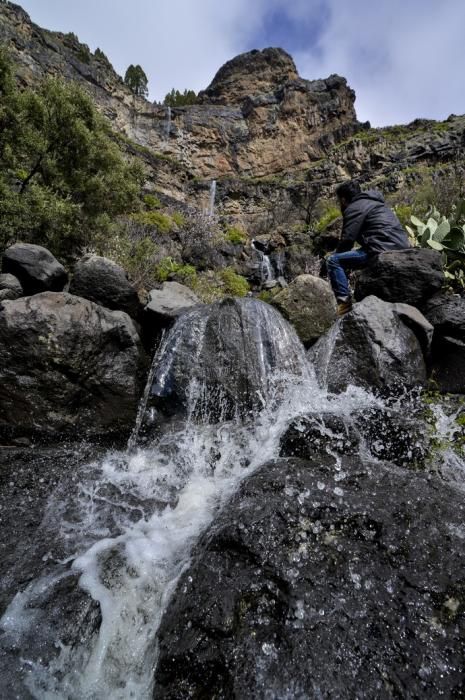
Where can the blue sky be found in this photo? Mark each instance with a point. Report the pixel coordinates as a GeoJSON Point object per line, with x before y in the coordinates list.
{"type": "Point", "coordinates": [404, 58]}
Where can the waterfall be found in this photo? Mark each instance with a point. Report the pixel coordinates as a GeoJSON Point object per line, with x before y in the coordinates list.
{"type": "Point", "coordinates": [168, 123]}
{"type": "Point", "coordinates": [129, 524]}
{"type": "Point", "coordinates": [211, 208]}
{"type": "Point", "coordinates": [267, 273]}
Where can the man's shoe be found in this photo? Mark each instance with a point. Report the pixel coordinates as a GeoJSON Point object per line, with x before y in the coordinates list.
{"type": "Point", "coordinates": [343, 307]}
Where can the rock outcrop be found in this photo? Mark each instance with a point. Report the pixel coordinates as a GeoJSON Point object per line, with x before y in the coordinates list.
{"type": "Point", "coordinates": [10, 287]}
{"type": "Point", "coordinates": [166, 304]}
{"type": "Point", "coordinates": [309, 305]}
{"type": "Point", "coordinates": [409, 276]}
{"type": "Point", "coordinates": [35, 267]}
{"type": "Point", "coordinates": [309, 585]}
{"type": "Point", "coordinates": [370, 347]}
{"type": "Point", "coordinates": [69, 367]}
{"type": "Point", "coordinates": [447, 315]}
{"type": "Point", "coordinates": [104, 282]}
{"type": "Point", "coordinates": [225, 359]}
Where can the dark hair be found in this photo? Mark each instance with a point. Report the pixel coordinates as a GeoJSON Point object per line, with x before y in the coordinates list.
{"type": "Point", "coordinates": [348, 190]}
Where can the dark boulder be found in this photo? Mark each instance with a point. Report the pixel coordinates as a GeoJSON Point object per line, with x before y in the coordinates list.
{"type": "Point", "coordinates": [369, 347]}
{"type": "Point", "coordinates": [225, 358]}
{"type": "Point", "coordinates": [307, 586]}
{"type": "Point", "coordinates": [10, 287]}
{"type": "Point", "coordinates": [409, 276]}
{"type": "Point", "coordinates": [104, 282]}
{"type": "Point", "coordinates": [68, 367]}
{"type": "Point", "coordinates": [35, 267]}
{"type": "Point", "coordinates": [446, 313]}
{"type": "Point", "coordinates": [312, 433]}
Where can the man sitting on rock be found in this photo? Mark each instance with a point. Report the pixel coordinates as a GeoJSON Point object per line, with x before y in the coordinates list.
{"type": "Point", "coordinates": [368, 221]}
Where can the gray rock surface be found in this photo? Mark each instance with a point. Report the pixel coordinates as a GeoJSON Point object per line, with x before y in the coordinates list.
{"type": "Point", "coordinates": [447, 315]}
{"type": "Point", "coordinates": [35, 267]}
{"type": "Point", "coordinates": [68, 366]}
{"type": "Point", "coordinates": [308, 586]}
{"type": "Point", "coordinates": [309, 305]}
{"type": "Point", "coordinates": [408, 276]}
{"type": "Point", "coordinates": [104, 282]}
{"type": "Point", "coordinates": [369, 347]}
{"type": "Point", "coordinates": [10, 287]}
{"type": "Point", "coordinates": [167, 303]}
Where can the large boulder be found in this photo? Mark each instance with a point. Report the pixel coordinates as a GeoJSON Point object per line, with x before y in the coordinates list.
{"type": "Point", "coordinates": [225, 358]}
{"type": "Point", "coordinates": [10, 287]}
{"type": "Point", "coordinates": [410, 276]}
{"type": "Point", "coordinates": [446, 313]}
{"type": "Point", "coordinates": [104, 282]}
{"type": "Point", "coordinates": [313, 586]}
{"type": "Point", "coordinates": [309, 305]}
{"type": "Point", "coordinates": [68, 366]}
{"type": "Point", "coordinates": [166, 304]}
{"type": "Point", "coordinates": [370, 347]}
{"type": "Point", "coordinates": [35, 267]}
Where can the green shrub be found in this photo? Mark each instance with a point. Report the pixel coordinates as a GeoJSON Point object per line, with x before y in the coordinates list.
{"type": "Point", "coordinates": [179, 219]}
{"type": "Point", "coordinates": [403, 213]}
{"type": "Point", "coordinates": [162, 222]}
{"type": "Point", "coordinates": [168, 267]}
{"type": "Point", "coordinates": [330, 213]}
{"type": "Point", "coordinates": [236, 236]}
{"type": "Point", "coordinates": [63, 179]}
{"type": "Point", "coordinates": [234, 284]}
{"type": "Point", "coordinates": [175, 98]}
{"type": "Point", "coordinates": [151, 201]}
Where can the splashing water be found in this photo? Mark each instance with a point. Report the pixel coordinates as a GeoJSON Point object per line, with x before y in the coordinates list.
{"type": "Point", "coordinates": [129, 530]}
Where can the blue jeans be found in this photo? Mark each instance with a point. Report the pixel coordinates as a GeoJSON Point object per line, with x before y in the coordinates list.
{"type": "Point", "coordinates": [337, 264]}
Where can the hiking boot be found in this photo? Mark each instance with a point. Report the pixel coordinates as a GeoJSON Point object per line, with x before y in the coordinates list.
{"type": "Point", "coordinates": [344, 306]}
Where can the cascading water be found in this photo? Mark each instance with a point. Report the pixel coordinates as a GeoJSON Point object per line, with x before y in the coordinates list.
{"type": "Point", "coordinates": [267, 272]}
{"type": "Point", "coordinates": [127, 530]}
{"type": "Point", "coordinates": [211, 206]}
{"type": "Point", "coordinates": [168, 123]}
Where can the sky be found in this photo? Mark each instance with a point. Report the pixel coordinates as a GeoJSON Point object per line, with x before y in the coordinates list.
{"type": "Point", "coordinates": [405, 59]}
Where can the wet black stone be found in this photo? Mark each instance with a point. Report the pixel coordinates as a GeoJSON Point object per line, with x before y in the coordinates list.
{"type": "Point", "coordinates": [308, 587]}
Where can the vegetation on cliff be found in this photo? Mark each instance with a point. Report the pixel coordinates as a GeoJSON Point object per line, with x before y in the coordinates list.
{"type": "Point", "coordinates": [63, 178]}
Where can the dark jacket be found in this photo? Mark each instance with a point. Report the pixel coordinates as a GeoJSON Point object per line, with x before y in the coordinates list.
{"type": "Point", "coordinates": [369, 221]}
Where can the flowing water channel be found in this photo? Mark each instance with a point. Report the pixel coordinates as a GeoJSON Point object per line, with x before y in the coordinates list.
{"type": "Point", "coordinates": [128, 526]}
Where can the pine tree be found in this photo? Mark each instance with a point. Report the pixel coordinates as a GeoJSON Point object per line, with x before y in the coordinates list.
{"type": "Point", "coordinates": [136, 80]}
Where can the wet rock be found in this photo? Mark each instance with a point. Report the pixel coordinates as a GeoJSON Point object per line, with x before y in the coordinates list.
{"type": "Point", "coordinates": [312, 433]}
{"type": "Point", "coordinates": [447, 315]}
{"type": "Point", "coordinates": [104, 282]}
{"type": "Point", "coordinates": [35, 267]}
{"type": "Point", "coordinates": [225, 358]}
{"type": "Point", "coordinates": [68, 366]}
{"type": "Point", "coordinates": [309, 305]}
{"type": "Point", "coordinates": [393, 436]}
{"type": "Point", "coordinates": [409, 276]}
{"type": "Point", "coordinates": [369, 347]}
{"type": "Point", "coordinates": [167, 303]}
{"type": "Point", "coordinates": [10, 287]}
{"type": "Point", "coordinates": [310, 587]}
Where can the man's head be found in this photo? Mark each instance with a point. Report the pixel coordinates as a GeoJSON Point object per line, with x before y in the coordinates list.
{"type": "Point", "coordinates": [346, 192]}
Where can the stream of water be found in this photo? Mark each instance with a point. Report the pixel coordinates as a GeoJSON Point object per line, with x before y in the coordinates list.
{"type": "Point", "coordinates": [129, 527]}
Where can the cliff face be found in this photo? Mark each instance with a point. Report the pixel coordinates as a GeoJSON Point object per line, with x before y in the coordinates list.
{"type": "Point", "coordinates": [257, 117]}
{"type": "Point", "coordinates": [272, 140]}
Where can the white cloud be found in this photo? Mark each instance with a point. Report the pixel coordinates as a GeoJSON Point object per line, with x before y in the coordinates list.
{"type": "Point", "coordinates": [404, 58]}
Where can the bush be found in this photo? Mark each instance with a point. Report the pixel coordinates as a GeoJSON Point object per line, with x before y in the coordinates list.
{"type": "Point", "coordinates": [175, 98]}
{"type": "Point", "coordinates": [329, 213]}
{"type": "Point", "coordinates": [234, 284]}
{"type": "Point", "coordinates": [162, 222]}
{"type": "Point", "coordinates": [63, 179]}
{"type": "Point", "coordinates": [167, 268]}
{"type": "Point", "coordinates": [236, 236]}
{"type": "Point", "coordinates": [152, 202]}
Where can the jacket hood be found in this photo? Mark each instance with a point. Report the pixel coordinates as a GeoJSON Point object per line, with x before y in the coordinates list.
{"type": "Point", "coordinates": [374, 195]}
